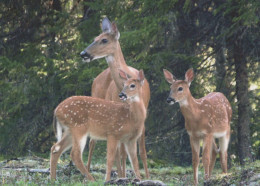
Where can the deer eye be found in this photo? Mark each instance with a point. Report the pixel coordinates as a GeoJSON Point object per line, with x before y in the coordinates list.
{"type": "Point", "coordinates": [132, 86]}
{"type": "Point", "coordinates": [180, 89]}
{"type": "Point", "coordinates": [104, 41]}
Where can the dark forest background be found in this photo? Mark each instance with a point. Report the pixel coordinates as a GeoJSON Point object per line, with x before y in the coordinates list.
{"type": "Point", "coordinates": [40, 66]}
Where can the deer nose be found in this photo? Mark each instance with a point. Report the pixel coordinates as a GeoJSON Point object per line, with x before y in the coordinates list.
{"type": "Point", "coordinates": [170, 100]}
{"type": "Point", "coordinates": [84, 54]}
{"type": "Point", "coordinates": [122, 96]}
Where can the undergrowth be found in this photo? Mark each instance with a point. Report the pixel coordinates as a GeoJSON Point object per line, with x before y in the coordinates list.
{"type": "Point", "coordinates": [17, 171]}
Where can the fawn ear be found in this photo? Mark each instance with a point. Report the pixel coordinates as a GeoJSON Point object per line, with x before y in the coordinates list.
{"type": "Point", "coordinates": [124, 75]}
{"type": "Point", "coordinates": [141, 77]}
{"type": "Point", "coordinates": [106, 25]}
{"type": "Point", "coordinates": [115, 31]}
{"type": "Point", "coordinates": [189, 76]}
{"type": "Point", "coordinates": [169, 77]}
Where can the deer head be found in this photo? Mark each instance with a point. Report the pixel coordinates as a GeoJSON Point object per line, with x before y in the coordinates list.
{"type": "Point", "coordinates": [132, 87]}
{"type": "Point", "coordinates": [104, 45]}
{"type": "Point", "coordinates": [179, 88]}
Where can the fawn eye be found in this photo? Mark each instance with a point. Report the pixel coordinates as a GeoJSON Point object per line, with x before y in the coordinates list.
{"type": "Point", "coordinates": [132, 86]}
{"type": "Point", "coordinates": [180, 89]}
{"type": "Point", "coordinates": [104, 41]}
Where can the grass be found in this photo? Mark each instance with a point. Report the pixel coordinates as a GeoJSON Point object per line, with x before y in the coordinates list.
{"type": "Point", "coordinates": [15, 172]}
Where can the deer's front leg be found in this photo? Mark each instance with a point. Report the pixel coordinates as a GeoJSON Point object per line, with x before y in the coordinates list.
{"type": "Point", "coordinates": [195, 147]}
{"type": "Point", "coordinates": [123, 156]}
{"type": "Point", "coordinates": [118, 163]}
{"type": "Point", "coordinates": [111, 152]}
{"type": "Point", "coordinates": [207, 150]}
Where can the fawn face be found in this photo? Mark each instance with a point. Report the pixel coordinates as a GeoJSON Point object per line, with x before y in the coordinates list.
{"type": "Point", "coordinates": [179, 88]}
{"type": "Point", "coordinates": [104, 45]}
{"type": "Point", "coordinates": [132, 86]}
{"type": "Point", "coordinates": [178, 93]}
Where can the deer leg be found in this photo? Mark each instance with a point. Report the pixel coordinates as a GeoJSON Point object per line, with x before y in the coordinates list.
{"type": "Point", "coordinates": [118, 163]}
{"type": "Point", "coordinates": [131, 148]}
{"type": "Point", "coordinates": [223, 144]}
{"type": "Point", "coordinates": [207, 150]}
{"type": "Point", "coordinates": [213, 157]}
{"type": "Point", "coordinates": [142, 152]}
{"type": "Point", "coordinates": [78, 146]}
{"type": "Point", "coordinates": [56, 151]}
{"type": "Point", "coordinates": [123, 156]}
{"type": "Point", "coordinates": [92, 144]}
{"type": "Point", "coordinates": [111, 152]}
{"type": "Point", "coordinates": [195, 147]}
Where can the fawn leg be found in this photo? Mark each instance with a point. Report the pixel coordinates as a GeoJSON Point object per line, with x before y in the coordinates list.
{"type": "Point", "coordinates": [195, 147]}
{"type": "Point", "coordinates": [131, 148]}
{"type": "Point", "coordinates": [79, 142]}
{"type": "Point", "coordinates": [56, 151]}
{"type": "Point", "coordinates": [207, 150]}
{"type": "Point", "coordinates": [92, 144]}
{"type": "Point", "coordinates": [142, 152]}
{"type": "Point", "coordinates": [223, 144]}
{"type": "Point", "coordinates": [111, 152]}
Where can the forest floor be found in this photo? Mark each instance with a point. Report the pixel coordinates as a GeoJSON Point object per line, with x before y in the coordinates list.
{"type": "Point", "coordinates": [33, 170]}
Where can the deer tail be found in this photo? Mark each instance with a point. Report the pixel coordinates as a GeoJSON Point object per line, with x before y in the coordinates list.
{"type": "Point", "coordinates": [57, 128]}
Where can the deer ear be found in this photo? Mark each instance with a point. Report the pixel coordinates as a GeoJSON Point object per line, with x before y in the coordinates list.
{"type": "Point", "coordinates": [141, 77]}
{"type": "Point", "coordinates": [106, 25]}
{"type": "Point", "coordinates": [115, 31]}
{"type": "Point", "coordinates": [189, 76]}
{"type": "Point", "coordinates": [169, 77]}
{"type": "Point", "coordinates": [124, 75]}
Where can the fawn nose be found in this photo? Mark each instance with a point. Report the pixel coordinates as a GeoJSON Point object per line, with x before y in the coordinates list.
{"type": "Point", "coordinates": [122, 96]}
{"type": "Point", "coordinates": [170, 100]}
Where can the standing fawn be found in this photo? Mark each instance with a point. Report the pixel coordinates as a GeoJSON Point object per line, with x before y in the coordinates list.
{"type": "Point", "coordinates": [82, 116]}
{"type": "Point", "coordinates": [108, 84]}
{"type": "Point", "coordinates": [206, 118]}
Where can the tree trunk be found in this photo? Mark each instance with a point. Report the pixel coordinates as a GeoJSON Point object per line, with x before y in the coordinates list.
{"type": "Point", "coordinates": [243, 129]}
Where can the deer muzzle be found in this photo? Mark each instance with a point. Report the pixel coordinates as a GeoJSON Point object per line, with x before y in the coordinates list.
{"type": "Point", "coordinates": [170, 100]}
{"type": "Point", "coordinates": [122, 96]}
{"type": "Point", "coordinates": [86, 56]}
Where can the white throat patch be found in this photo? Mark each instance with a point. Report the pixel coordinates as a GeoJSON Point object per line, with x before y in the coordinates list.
{"type": "Point", "coordinates": [134, 99]}
{"type": "Point", "coordinates": [183, 102]}
{"type": "Point", "coordinates": [110, 59]}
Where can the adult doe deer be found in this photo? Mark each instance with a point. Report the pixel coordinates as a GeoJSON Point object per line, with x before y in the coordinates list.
{"type": "Point", "coordinates": [82, 116]}
{"type": "Point", "coordinates": [206, 118]}
{"type": "Point", "coordinates": [108, 84]}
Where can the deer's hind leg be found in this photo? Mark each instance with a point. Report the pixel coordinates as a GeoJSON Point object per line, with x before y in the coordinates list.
{"type": "Point", "coordinates": [142, 152]}
{"type": "Point", "coordinates": [131, 148]}
{"type": "Point", "coordinates": [79, 142]}
{"type": "Point", "coordinates": [92, 144]}
{"type": "Point", "coordinates": [56, 151]}
{"type": "Point", "coordinates": [223, 144]}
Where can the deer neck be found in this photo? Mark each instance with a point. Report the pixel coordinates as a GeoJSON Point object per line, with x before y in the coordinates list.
{"type": "Point", "coordinates": [116, 61]}
{"type": "Point", "coordinates": [138, 110]}
{"type": "Point", "coordinates": [189, 107]}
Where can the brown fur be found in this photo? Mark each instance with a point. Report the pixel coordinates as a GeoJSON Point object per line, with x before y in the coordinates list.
{"type": "Point", "coordinates": [108, 84]}
{"type": "Point", "coordinates": [82, 116]}
{"type": "Point", "coordinates": [205, 119]}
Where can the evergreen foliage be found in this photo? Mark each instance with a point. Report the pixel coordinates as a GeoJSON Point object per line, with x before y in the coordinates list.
{"type": "Point", "coordinates": [40, 66]}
